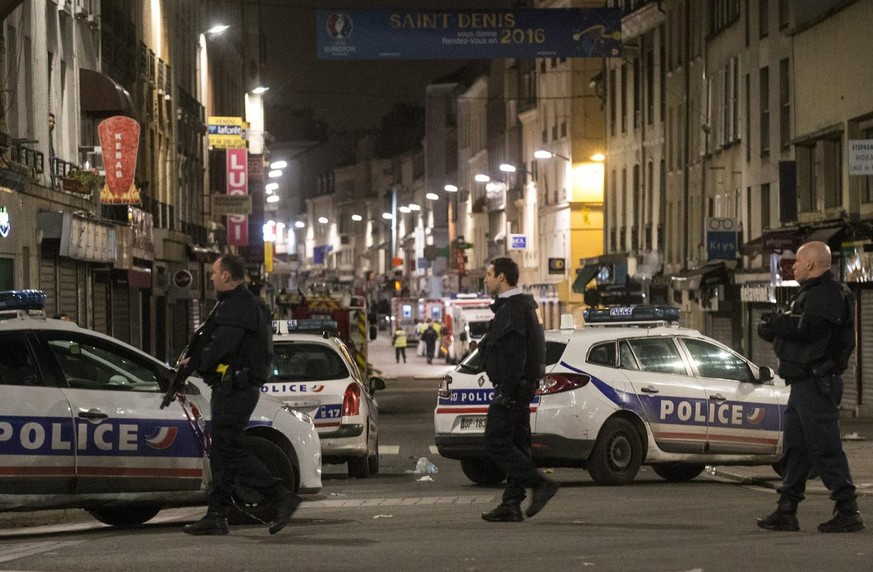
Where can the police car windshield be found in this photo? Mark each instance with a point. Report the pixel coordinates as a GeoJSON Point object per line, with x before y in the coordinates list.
{"type": "Point", "coordinates": [303, 361]}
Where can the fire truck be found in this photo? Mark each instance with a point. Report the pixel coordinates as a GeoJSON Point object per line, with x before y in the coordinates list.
{"type": "Point", "coordinates": [349, 312]}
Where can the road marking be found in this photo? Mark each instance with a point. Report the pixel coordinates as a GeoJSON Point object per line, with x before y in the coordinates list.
{"type": "Point", "coordinates": [402, 501]}
{"type": "Point", "coordinates": [395, 450]}
{"type": "Point", "coordinates": [25, 549]}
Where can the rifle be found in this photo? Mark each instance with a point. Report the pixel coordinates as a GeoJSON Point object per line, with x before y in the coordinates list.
{"type": "Point", "coordinates": [192, 352]}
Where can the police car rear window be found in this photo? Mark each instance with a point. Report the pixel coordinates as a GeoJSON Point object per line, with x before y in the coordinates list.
{"type": "Point", "coordinates": [302, 361]}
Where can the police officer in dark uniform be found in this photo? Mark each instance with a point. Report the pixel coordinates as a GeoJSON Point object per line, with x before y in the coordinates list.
{"type": "Point", "coordinates": [513, 352]}
{"type": "Point", "coordinates": [813, 343]}
{"type": "Point", "coordinates": [235, 362]}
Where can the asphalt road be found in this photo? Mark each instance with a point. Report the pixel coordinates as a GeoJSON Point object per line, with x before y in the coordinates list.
{"type": "Point", "coordinates": [398, 521]}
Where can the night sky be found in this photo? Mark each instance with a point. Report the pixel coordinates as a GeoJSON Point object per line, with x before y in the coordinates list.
{"type": "Point", "coordinates": [351, 94]}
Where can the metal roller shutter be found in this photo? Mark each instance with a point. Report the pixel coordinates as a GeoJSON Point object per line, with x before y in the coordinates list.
{"type": "Point", "coordinates": [720, 328]}
{"type": "Point", "coordinates": [48, 283]}
{"type": "Point", "coordinates": [179, 328]}
{"type": "Point", "coordinates": [121, 322]}
{"type": "Point", "coordinates": [68, 290]}
{"type": "Point", "coordinates": [761, 352]}
{"type": "Point", "coordinates": [99, 306]}
{"type": "Point", "coordinates": [865, 346]}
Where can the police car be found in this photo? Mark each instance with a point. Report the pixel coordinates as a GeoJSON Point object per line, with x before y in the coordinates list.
{"type": "Point", "coordinates": [81, 425]}
{"type": "Point", "coordinates": [627, 390]}
{"type": "Point", "coordinates": [314, 372]}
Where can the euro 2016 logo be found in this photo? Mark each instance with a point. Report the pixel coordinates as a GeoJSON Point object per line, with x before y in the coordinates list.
{"type": "Point", "coordinates": [339, 25]}
{"type": "Point", "coordinates": [4, 223]}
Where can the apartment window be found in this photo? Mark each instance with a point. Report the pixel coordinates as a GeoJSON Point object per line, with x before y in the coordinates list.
{"type": "Point", "coordinates": [612, 102]}
{"type": "Point", "coordinates": [650, 87]}
{"type": "Point", "coordinates": [623, 213]}
{"type": "Point", "coordinates": [806, 177]}
{"type": "Point", "coordinates": [832, 171]}
{"type": "Point", "coordinates": [764, 96]}
{"type": "Point", "coordinates": [746, 21]}
{"type": "Point", "coordinates": [624, 98]}
{"type": "Point", "coordinates": [748, 107]}
{"type": "Point", "coordinates": [636, 215]}
{"type": "Point", "coordinates": [662, 61]}
{"type": "Point", "coordinates": [784, 105]}
{"type": "Point", "coordinates": [765, 206]}
{"type": "Point", "coordinates": [722, 14]}
{"type": "Point", "coordinates": [613, 203]}
{"type": "Point", "coordinates": [783, 14]}
{"type": "Point", "coordinates": [638, 94]}
{"type": "Point", "coordinates": [563, 128]}
{"type": "Point", "coordinates": [763, 18]}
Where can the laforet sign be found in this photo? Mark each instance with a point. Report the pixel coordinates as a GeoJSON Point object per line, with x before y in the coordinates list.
{"type": "Point", "coordinates": [468, 34]}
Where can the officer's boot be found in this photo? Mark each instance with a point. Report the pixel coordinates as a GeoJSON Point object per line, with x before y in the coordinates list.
{"type": "Point", "coordinates": [212, 524]}
{"type": "Point", "coordinates": [846, 518]}
{"type": "Point", "coordinates": [286, 504]}
{"type": "Point", "coordinates": [507, 511]}
{"type": "Point", "coordinates": [784, 518]}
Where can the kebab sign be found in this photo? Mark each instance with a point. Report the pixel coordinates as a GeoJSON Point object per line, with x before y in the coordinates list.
{"type": "Point", "coordinates": [119, 137]}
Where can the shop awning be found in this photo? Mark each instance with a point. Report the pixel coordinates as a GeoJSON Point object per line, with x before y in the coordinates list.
{"type": "Point", "coordinates": [100, 94]}
{"type": "Point", "coordinates": [753, 247]}
{"type": "Point", "coordinates": [585, 275]}
{"type": "Point", "coordinates": [707, 275]}
{"type": "Point", "coordinates": [825, 234]}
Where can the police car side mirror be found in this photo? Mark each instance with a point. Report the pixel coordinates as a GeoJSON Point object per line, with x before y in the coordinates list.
{"type": "Point", "coordinates": [376, 384]}
{"type": "Point", "coordinates": [765, 374]}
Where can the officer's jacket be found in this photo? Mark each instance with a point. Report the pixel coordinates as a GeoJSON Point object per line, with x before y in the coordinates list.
{"type": "Point", "coordinates": [514, 348]}
{"type": "Point", "coordinates": [802, 337]}
{"type": "Point", "coordinates": [242, 337]}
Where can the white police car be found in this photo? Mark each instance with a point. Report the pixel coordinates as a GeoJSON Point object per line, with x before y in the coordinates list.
{"type": "Point", "coordinates": [314, 372]}
{"type": "Point", "coordinates": [630, 391]}
{"type": "Point", "coordinates": [81, 426]}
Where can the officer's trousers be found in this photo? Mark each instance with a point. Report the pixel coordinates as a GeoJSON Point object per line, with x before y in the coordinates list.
{"type": "Point", "coordinates": [229, 456]}
{"type": "Point", "coordinates": [507, 441]}
{"type": "Point", "coordinates": [812, 442]}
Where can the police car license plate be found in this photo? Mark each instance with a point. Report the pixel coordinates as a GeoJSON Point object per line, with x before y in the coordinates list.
{"type": "Point", "coordinates": [472, 423]}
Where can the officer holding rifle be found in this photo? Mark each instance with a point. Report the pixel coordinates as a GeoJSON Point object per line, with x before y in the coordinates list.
{"type": "Point", "coordinates": [813, 342]}
{"type": "Point", "coordinates": [235, 362]}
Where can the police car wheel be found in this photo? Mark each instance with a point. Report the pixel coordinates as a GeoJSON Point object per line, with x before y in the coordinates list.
{"type": "Point", "coordinates": [482, 472]}
{"type": "Point", "coordinates": [678, 472]}
{"type": "Point", "coordinates": [373, 460]}
{"type": "Point", "coordinates": [617, 455]}
{"type": "Point", "coordinates": [359, 467]}
{"type": "Point", "coordinates": [250, 507]}
{"type": "Point", "coordinates": [125, 515]}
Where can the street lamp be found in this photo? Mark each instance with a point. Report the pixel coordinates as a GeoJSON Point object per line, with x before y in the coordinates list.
{"type": "Point", "coordinates": [546, 154]}
{"type": "Point", "coordinates": [260, 90]}
{"type": "Point", "coordinates": [432, 197]}
{"type": "Point", "coordinates": [481, 178]}
{"type": "Point", "coordinates": [451, 188]}
{"type": "Point", "coordinates": [278, 164]}
{"type": "Point", "coordinates": [217, 30]}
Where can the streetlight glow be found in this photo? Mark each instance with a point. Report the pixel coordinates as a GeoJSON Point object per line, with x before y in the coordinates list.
{"type": "Point", "coordinates": [388, 216]}
{"type": "Point", "coordinates": [481, 178]}
{"type": "Point", "coordinates": [414, 207]}
{"type": "Point", "coordinates": [270, 187]}
{"type": "Point", "coordinates": [598, 157]}
{"type": "Point", "coordinates": [322, 219]}
{"type": "Point", "coordinates": [274, 173]}
{"type": "Point", "coordinates": [260, 90]}
{"type": "Point", "coordinates": [432, 197]}
{"type": "Point", "coordinates": [273, 199]}
{"type": "Point", "coordinates": [508, 168]}
{"type": "Point", "coordinates": [299, 224]}
{"type": "Point", "coordinates": [217, 29]}
{"type": "Point", "coordinates": [357, 218]}
{"type": "Point", "coordinates": [404, 210]}
{"type": "Point", "coordinates": [451, 188]}
{"type": "Point", "coordinates": [278, 164]}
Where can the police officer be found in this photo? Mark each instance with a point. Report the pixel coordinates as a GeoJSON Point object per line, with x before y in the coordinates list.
{"type": "Point", "coordinates": [514, 357]}
{"type": "Point", "coordinates": [235, 362]}
{"type": "Point", "coordinates": [812, 347]}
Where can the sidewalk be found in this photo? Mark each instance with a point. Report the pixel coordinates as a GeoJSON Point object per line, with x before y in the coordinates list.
{"type": "Point", "coordinates": [381, 356]}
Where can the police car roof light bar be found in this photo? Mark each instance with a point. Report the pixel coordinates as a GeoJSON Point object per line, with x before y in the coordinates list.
{"type": "Point", "coordinates": [625, 315]}
{"type": "Point", "coordinates": [22, 300]}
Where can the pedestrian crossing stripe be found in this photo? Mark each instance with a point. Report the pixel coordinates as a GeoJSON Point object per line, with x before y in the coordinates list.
{"type": "Point", "coordinates": [395, 450]}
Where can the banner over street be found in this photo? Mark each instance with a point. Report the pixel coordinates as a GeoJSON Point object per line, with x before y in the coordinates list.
{"type": "Point", "coordinates": [421, 34]}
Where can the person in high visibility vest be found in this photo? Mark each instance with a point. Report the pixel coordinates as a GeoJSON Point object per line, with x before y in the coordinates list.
{"type": "Point", "coordinates": [400, 345]}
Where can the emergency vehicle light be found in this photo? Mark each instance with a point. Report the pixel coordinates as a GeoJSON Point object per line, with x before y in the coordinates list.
{"type": "Point", "coordinates": [22, 300]}
{"type": "Point", "coordinates": [624, 314]}
{"type": "Point", "coordinates": [304, 326]}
